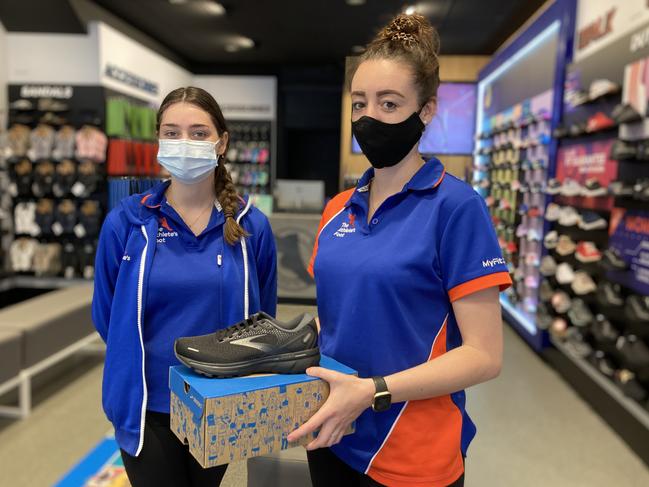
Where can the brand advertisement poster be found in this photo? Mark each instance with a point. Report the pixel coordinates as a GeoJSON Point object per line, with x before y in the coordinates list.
{"type": "Point", "coordinates": [591, 160]}
{"type": "Point", "coordinates": [630, 237]}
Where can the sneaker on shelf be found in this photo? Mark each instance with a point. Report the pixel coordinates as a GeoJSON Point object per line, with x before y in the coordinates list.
{"type": "Point", "coordinates": [569, 217]}
{"type": "Point", "coordinates": [533, 235]}
{"type": "Point", "coordinates": [620, 189]}
{"type": "Point", "coordinates": [551, 239]}
{"type": "Point", "coordinates": [623, 150]}
{"type": "Point", "coordinates": [642, 153]}
{"type": "Point", "coordinates": [532, 282]}
{"type": "Point", "coordinates": [599, 121]}
{"type": "Point", "coordinates": [602, 87]}
{"type": "Point", "coordinates": [548, 266]}
{"type": "Point", "coordinates": [587, 252]}
{"type": "Point", "coordinates": [553, 186]}
{"type": "Point", "coordinates": [565, 246]}
{"type": "Point", "coordinates": [559, 327]}
{"type": "Point", "coordinates": [592, 221]}
{"type": "Point", "coordinates": [637, 308]}
{"type": "Point", "coordinates": [625, 113]}
{"type": "Point", "coordinates": [583, 284]}
{"type": "Point", "coordinates": [519, 274]}
{"type": "Point", "coordinates": [511, 247]}
{"type": "Point", "coordinates": [560, 132]}
{"type": "Point", "coordinates": [571, 188]}
{"type": "Point", "coordinates": [580, 314]}
{"type": "Point", "coordinates": [575, 343]}
{"type": "Point", "coordinates": [577, 97]}
{"type": "Point", "coordinates": [610, 295]}
{"type": "Point", "coordinates": [521, 230]}
{"type": "Point", "coordinates": [515, 185]}
{"type": "Point", "coordinates": [603, 363]}
{"type": "Point", "coordinates": [545, 291]}
{"type": "Point", "coordinates": [577, 129]}
{"type": "Point", "coordinates": [565, 274]}
{"type": "Point", "coordinates": [613, 261]}
{"type": "Point", "coordinates": [21, 104]}
{"type": "Point", "coordinates": [603, 331]}
{"type": "Point", "coordinates": [489, 201]}
{"type": "Point", "coordinates": [634, 352]}
{"type": "Point", "coordinates": [592, 188]}
{"type": "Point", "coordinates": [641, 190]}
{"type": "Point", "coordinates": [560, 302]}
{"type": "Point", "coordinates": [630, 385]}
{"type": "Point", "coordinates": [552, 212]}
{"type": "Point", "coordinates": [259, 344]}
{"type": "Point", "coordinates": [534, 212]}
{"type": "Point", "coordinates": [532, 259]}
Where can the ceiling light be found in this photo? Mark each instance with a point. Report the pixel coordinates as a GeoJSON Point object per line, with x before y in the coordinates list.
{"type": "Point", "coordinates": [238, 43]}
{"type": "Point", "coordinates": [355, 3]}
{"type": "Point", "coordinates": [358, 49]}
{"type": "Point", "coordinates": [214, 8]}
{"type": "Point", "coordinates": [177, 2]}
{"type": "Point", "coordinates": [410, 10]}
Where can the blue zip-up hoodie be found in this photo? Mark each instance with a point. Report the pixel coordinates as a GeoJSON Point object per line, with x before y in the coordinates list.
{"type": "Point", "coordinates": [127, 244]}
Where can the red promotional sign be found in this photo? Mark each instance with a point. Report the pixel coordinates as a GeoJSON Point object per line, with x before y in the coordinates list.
{"type": "Point", "coordinates": [588, 161]}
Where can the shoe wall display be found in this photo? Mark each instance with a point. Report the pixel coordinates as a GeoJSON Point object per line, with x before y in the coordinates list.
{"type": "Point", "coordinates": [53, 188]}
{"type": "Point", "coordinates": [510, 171]}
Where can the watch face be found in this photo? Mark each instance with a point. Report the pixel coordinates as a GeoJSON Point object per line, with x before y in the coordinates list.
{"type": "Point", "coordinates": [382, 402]}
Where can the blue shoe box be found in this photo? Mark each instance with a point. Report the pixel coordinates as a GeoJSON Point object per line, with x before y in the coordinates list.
{"type": "Point", "coordinates": [228, 420]}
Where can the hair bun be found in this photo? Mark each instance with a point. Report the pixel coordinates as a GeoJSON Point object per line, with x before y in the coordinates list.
{"type": "Point", "coordinates": [410, 30]}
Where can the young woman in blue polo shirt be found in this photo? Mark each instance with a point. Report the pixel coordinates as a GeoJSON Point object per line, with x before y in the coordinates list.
{"type": "Point", "coordinates": [408, 270]}
{"type": "Point", "coordinates": [184, 259]}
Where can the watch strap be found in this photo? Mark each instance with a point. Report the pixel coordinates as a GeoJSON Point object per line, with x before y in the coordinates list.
{"type": "Point", "coordinates": [380, 384]}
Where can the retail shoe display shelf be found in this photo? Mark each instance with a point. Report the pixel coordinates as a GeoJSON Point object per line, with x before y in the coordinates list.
{"type": "Point", "coordinates": [510, 170]}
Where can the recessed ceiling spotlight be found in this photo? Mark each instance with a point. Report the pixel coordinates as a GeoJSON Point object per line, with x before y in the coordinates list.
{"type": "Point", "coordinates": [410, 10]}
{"type": "Point", "coordinates": [355, 3]}
{"type": "Point", "coordinates": [214, 8]}
{"type": "Point", "coordinates": [177, 2]}
{"type": "Point", "coordinates": [238, 43]}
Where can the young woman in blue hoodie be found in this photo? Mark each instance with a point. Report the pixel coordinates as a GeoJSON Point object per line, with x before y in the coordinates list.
{"type": "Point", "coordinates": [186, 258]}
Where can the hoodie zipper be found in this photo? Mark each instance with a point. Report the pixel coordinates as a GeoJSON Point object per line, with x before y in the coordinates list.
{"type": "Point", "coordinates": [140, 285]}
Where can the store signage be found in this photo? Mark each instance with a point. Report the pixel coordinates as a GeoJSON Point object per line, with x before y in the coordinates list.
{"type": "Point", "coordinates": [46, 91]}
{"type": "Point", "coordinates": [581, 162]}
{"type": "Point", "coordinates": [254, 109]}
{"type": "Point", "coordinates": [130, 79]}
{"type": "Point", "coordinates": [596, 30]}
{"type": "Point", "coordinates": [630, 237]}
{"type": "Point", "coordinates": [602, 22]}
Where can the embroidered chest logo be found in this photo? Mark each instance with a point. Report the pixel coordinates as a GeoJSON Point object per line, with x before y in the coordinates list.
{"type": "Point", "coordinates": [346, 227]}
{"type": "Point", "coordinates": [165, 231]}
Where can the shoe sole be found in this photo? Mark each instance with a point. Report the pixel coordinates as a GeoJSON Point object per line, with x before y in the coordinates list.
{"type": "Point", "coordinates": [587, 260]}
{"type": "Point", "coordinates": [287, 363]}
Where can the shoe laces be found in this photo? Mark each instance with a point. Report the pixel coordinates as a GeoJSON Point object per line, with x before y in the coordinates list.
{"type": "Point", "coordinates": [237, 329]}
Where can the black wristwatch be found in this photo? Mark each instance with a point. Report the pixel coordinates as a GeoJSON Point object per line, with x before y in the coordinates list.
{"type": "Point", "coordinates": [382, 397]}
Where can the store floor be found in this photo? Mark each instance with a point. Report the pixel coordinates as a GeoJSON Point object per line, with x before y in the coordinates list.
{"type": "Point", "coordinates": [533, 430]}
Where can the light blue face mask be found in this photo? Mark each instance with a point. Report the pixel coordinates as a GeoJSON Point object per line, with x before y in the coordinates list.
{"type": "Point", "coordinates": [189, 161]}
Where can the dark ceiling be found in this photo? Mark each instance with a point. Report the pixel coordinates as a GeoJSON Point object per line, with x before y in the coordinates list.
{"type": "Point", "coordinates": [285, 32]}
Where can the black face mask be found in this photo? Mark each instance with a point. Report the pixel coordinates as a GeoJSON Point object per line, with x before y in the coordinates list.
{"type": "Point", "coordinates": [386, 144]}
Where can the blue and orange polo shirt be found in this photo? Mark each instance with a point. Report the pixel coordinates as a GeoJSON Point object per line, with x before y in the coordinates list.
{"type": "Point", "coordinates": [385, 291]}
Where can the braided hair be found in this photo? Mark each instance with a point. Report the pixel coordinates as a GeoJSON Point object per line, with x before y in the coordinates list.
{"type": "Point", "coordinates": [226, 193]}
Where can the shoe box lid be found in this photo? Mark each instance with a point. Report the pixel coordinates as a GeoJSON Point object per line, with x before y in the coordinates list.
{"type": "Point", "coordinates": [194, 389]}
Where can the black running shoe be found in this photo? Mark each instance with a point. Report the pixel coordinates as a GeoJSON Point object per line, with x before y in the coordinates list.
{"type": "Point", "coordinates": [623, 150]}
{"type": "Point", "coordinates": [259, 344]}
{"type": "Point", "coordinates": [613, 261]}
{"type": "Point", "coordinates": [625, 113]}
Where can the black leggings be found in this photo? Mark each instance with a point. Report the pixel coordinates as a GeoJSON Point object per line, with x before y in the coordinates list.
{"type": "Point", "coordinates": [327, 469]}
{"type": "Point", "coordinates": [165, 461]}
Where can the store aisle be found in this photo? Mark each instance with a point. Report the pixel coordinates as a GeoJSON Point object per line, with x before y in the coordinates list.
{"type": "Point", "coordinates": [532, 431]}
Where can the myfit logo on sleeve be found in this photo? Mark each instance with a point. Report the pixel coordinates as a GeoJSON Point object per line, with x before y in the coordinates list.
{"type": "Point", "coordinates": [493, 262]}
